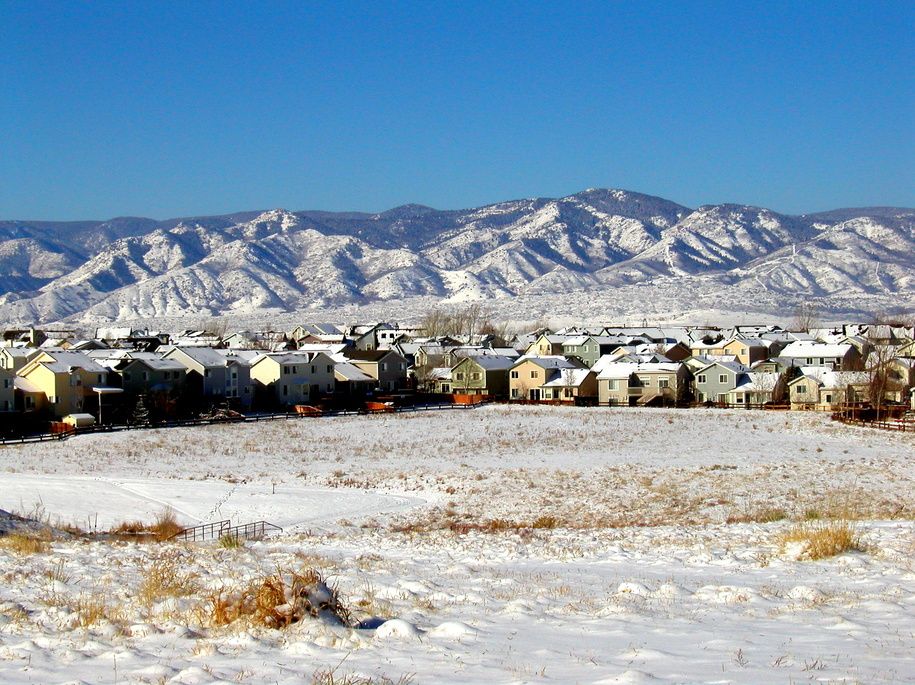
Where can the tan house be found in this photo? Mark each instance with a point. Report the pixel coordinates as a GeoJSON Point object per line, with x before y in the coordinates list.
{"type": "Point", "coordinates": [571, 385]}
{"type": "Point", "coordinates": [14, 358]}
{"type": "Point", "coordinates": [823, 389]}
{"type": "Point", "coordinates": [627, 383]}
{"type": "Point", "coordinates": [747, 351]}
{"type": "Point", "coordinates": [485, 375]}
{"type": "Point", "coordinates": [65, 379]}
{"type": "Point", "coordinates": [840, 357]}
{"type": "Point", "coordinates": [387, 367]}
{"type": "Point", "coordinates": [547, 345]}
{"type": "Point", "coordinates": [529, 373]}
{"type": "Point", "coordinates": [7, 390]}
{"type": "Point", "coordinates": [754, 388]}
{"type": "Point", "coordinates": [288, 378]}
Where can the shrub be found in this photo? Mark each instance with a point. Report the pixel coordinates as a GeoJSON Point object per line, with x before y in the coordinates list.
{"type": "Point", "coordinates": [822, 540]}
{"type": "Point", "coordinates": [280, 600]}
{"type": "Point", "coordinates": [165, 579]}
{"type": "Point", "coordinates": [24, 544]}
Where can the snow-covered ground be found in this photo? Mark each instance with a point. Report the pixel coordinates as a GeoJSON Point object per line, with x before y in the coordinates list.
{"type": "Point", "coordinates": [656, 562]}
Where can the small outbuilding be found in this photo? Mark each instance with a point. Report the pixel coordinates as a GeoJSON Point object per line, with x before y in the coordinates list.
{"type": "Point", "coordinates": [79, 420]}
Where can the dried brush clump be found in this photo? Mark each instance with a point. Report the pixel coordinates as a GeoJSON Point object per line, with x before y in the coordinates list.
{"type": "Point", "coordinates": [279, 601]}
{"type": "Point", "coordinates": [821, 540]}
{"type": "Point", "coordinates": [22, 544]}
{"type": "Point", "coordinates": [165, 579]}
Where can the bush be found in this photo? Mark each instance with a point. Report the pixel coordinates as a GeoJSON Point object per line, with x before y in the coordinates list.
{"type": "Point", "coordinates": [822, 540]}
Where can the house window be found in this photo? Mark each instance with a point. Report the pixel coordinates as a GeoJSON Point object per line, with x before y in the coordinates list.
{"type": "Point", "coordinates": [722, 378]}
{"type": "Point", "coordinates": [145, 375]}
{"type": "Point", "coordinates": [739, 399]}
{"type": "Point", "coordinates": [101, 378]}
{"type": "Point", "coordinates": [723, 398]}
{"type": "Point", "coordinates": [568, 392]}
{"type": "Point", "coordinates": [475, 376]}
{"type": "Point", "coordinates": [534, 374]}
{"type": "Point", "coordinates": [700, 378]}
{"type": "Point", "coordinates": [314, 369]}
{"type": "Point", "coordinates": [206, 373]}
{"type": "Point", "coordinates": [829, 399]}
{"type": "Point", "coordinates": [646, 382]}
{"type": "Point", "coordinates": [613, 385]}
{"type": "Point", "coordinates": [295, 370]}
{"type": "Point", "coordinates": [801, 389]}
{"type": "Point", "coordinates": [514, 374]}
{"type": "Point", "coordinates": [515, 393]}
{"type": "Point", "coordinates": [459, 376]}
{"type": "Point", "coordinates": [663, 383]}
{"type": "Point", "coordinates": [384, 366]}
{"type": "Point", "coordinates": [330, 368]}
{"type": "Point", "coordinates": [285, 390]}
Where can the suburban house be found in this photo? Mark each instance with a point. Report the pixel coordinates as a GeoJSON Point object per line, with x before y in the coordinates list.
{"type": "Point", "coordinates": [841, 357]}
{"type": "Point", "coordinates": [287, 378]}
{"type": "Point", "coordinates": [628, 383]}
{"type": "Point", "coordinates": [822, 388]}
{"type": "Point", "coordinates": [546, 345]}
{"type": "Point", "coordinates": [483, 375]}
{"type": "Point", "coordinates": [715, 381]}
{"type": "Point", "coordinates": [214, 374]}
{"type": "Point", "coordinates": [571, 385]}
{"type": "Point", "coordinates": [530, 373]}
{"type": "Point", "coordinates": [589, 348]}
{"type": "Point", "coordinates": [748, 351]}
{"type": "Point", "coordinates": [65, 382]}
{"type": "Point", "coordinates": [352, 382]}
{"type": "Point", "coordinates": [317, 333]}
{"type": "Point", "coordinates": [754, 388]}
{"type": "Point", "coordinates": [7, 390]}
{"type": "Point", "coordinates": [387, 367]}
{"type": "Point", "coordinates": [14, 358]}
{"type": "Point", "coordinates": [144, 376]}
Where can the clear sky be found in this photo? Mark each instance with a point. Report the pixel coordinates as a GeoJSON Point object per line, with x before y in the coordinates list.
{"type": "Point", "coordinates": [167, 109]}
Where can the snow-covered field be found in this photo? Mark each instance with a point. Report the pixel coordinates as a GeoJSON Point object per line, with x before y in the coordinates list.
{"type": "Point", "coordinates": [511, 544]}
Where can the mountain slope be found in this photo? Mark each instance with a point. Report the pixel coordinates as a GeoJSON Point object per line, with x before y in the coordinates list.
{"type": "Point", "coordinates": [277, 260]}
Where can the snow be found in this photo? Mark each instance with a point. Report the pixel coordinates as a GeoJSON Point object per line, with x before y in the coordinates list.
{"type": "Point", "coordinates": [643, 580]}
{"type": "Point", "coordinates": [611, 248]}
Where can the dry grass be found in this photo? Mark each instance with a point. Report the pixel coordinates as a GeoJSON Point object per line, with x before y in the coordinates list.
{"type": "Point", "coordinates": [20, 543]}
{"type": "Point", "coordinates": [329, 676]}
{"type": "Point", "coordinates": [764, 515]}
{"type": "Point", "coordinates": [276, 601]}
{"type": "Point", "coordinates": [164, 527]}
{"type": "Point", "coordinates": [93, 608]}
{"type": "Point", "coordinates": [821, 540]}
{"type": "Point", "coordinates": [165, 579]}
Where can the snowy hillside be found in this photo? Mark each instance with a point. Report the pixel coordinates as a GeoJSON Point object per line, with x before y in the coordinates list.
{"type": "Point", "coordinates": [281, 261]}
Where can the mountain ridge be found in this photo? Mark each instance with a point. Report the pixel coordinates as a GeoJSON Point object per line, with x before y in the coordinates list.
{"type": "Point", "coordinates": [280, 261]}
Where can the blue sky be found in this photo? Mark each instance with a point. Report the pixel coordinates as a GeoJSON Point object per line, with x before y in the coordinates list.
{"type": "Point", "coordinates": [169, 109]}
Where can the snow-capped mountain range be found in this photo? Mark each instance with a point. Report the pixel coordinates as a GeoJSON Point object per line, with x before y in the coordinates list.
{"type": "Point", "coordinates": [281, 261]}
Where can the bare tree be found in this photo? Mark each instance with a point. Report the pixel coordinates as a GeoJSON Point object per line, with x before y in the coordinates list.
{"type": "Point", "coordinates": [806, 317]}
{"type": "Point", "coordinates": [880, 379]}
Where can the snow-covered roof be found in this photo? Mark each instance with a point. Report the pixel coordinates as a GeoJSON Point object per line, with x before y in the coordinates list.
{"type": "Point", "coordinates": [26, 385]}
{"type": "Point", "coordinates": [65, 361]}
{"type": "Point", "coordinates": [569, 378]}
{"type": "Point", "coordinates": [827, 378]}
{"type": "Point", "coordinates": [757, 380]}
{"type": "Point", "coordinates": [348, 372]}
{"type": "Point", "coordinates": [547, 361]}
{"type": "Point", "coordinates": [494, 362]}
{"type": "Point", "coordinates": [807, 348]}
{"type": "Point", "coordinates": [734, 366]}
{"type": "Point", "coordinates": [625, 369]}
{"type": "Point", "coordinates": [205, 356]}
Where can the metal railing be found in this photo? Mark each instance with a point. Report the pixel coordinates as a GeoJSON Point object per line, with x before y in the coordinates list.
{"type": "Point", "coordinates": [222, 530]}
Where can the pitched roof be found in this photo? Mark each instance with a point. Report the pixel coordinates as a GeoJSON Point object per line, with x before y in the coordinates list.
{"type": "Point", "coordinates": [547, 362]}
{"type": "Point", "coordinates": [569, 378]}
{"type": "Point", "coordinates": [808, 348]}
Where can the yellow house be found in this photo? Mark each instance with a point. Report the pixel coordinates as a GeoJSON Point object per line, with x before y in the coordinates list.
{"type": "Point", "coordinates": [747, 351]}
{"type": "Point", "coordinates": [529, 374]}
{"type": "Point", "coordinates": [65, 379]}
